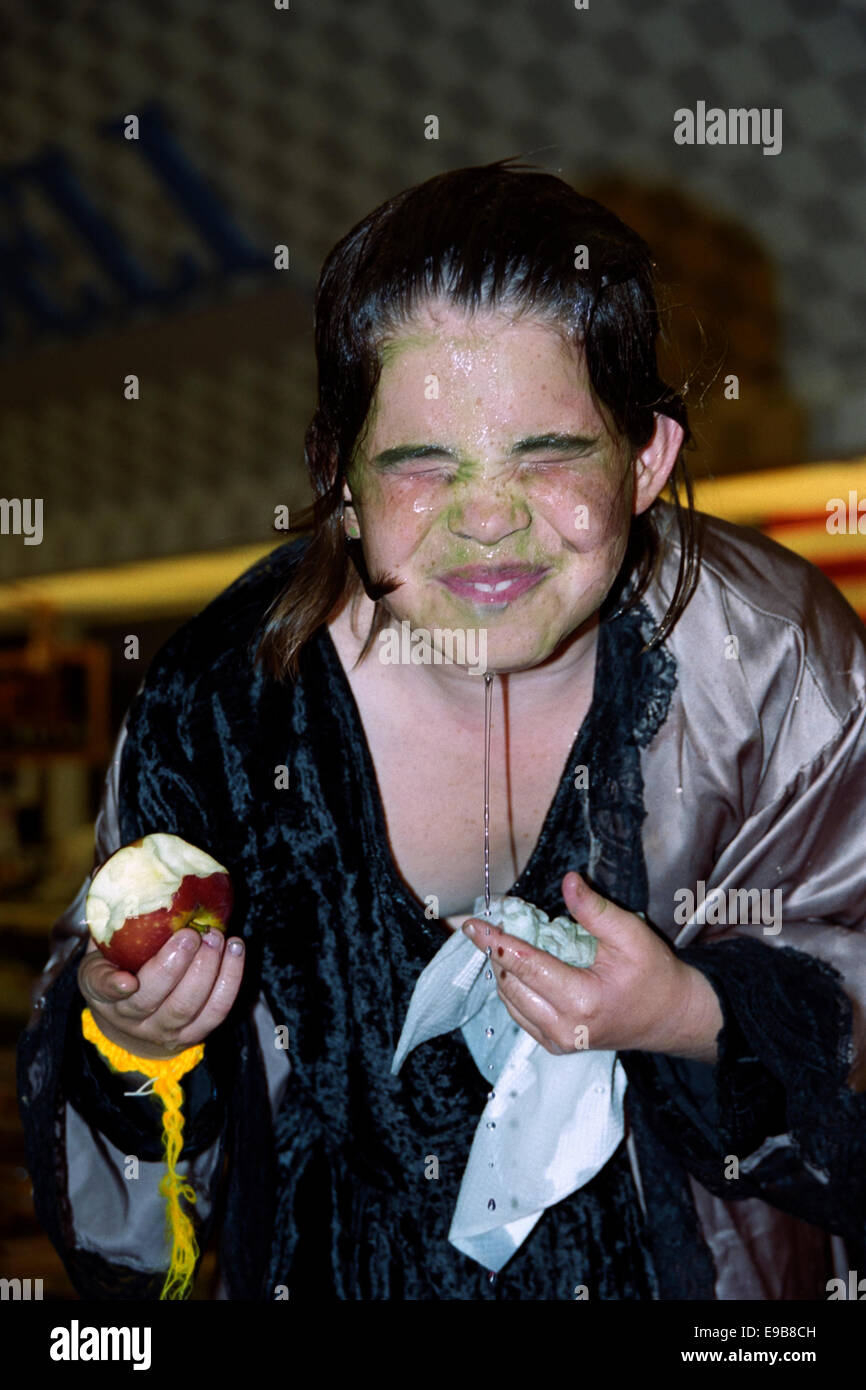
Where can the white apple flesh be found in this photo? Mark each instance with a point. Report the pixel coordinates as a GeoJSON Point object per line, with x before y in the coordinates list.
{"type": "Point", "coordinates": [148, 890]}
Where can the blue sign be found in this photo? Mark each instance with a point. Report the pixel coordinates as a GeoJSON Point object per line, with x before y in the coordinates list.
{"type": "Point", "coordinates": [24, 256]}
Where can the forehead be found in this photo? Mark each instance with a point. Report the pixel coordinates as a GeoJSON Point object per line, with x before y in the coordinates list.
{"type": "Point", "coordinates": [468, 339]}
{"type": "Point", "coordinates": [491, 373]}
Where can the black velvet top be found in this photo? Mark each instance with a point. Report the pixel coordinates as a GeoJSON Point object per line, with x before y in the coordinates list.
{"type": "Point", "coordinates": [335, 1203]}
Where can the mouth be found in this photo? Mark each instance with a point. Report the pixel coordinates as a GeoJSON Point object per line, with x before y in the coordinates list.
{"type": "Point", "coordinates": [493, 584]}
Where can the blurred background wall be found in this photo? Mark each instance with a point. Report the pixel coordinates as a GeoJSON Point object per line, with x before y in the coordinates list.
{"type": "Point", "coordinates": [154, 156]}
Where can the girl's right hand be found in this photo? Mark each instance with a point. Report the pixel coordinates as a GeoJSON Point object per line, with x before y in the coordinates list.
{"type": "Point", "coordinates": [177, 998]}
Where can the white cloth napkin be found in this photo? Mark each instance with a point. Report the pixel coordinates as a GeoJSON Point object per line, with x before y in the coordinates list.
{"type": "Point", "coordinates": [553, 1123]}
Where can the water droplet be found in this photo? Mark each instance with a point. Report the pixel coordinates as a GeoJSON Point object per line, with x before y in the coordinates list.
{"type": "Point", "coordinates": [491, 1205]}
{"type": "Point", "coordinates": [488, 1032]}
{"type": "Point", "coordinates": [490, 1164]}
{"type": "Point", "coordinates": [488, 974]}
{"type": "Point", "coordinates": [491, 1095]}
{"type": "Point", "coordinates": [491, 1277]}
{"type": "Point", "coordinates": [489, 952]}
{"type": "Point", "coordinates": [491, 1124]}
{"type": "Point", "coordinates": [490, 1066]}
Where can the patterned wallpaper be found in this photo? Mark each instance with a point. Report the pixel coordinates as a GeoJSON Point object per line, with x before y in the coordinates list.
{"type": "Point", "coordinates": [263, 125]}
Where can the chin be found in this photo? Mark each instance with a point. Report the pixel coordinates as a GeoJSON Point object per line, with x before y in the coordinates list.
{"type": "Point", "coordinates": [505, 656]}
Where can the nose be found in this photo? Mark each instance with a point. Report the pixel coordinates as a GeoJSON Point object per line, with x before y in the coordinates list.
{"type": "Point", "coordinates": [488, 517]}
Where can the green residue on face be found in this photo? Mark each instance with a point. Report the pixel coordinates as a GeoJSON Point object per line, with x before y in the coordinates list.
{"type": "Point", "coordinates": [393, 348]}
{"type": "Point", "coordinates": [465, 471]}
{"type": "Point", "coordinates": [520, 537]}
{"type": "Point", "coordinates": [459, 553]}
{"type": "Point", "coordinates": [358, 475]}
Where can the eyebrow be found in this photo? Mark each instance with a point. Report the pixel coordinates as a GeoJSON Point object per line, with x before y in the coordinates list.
{"type": "Point", "coordinates": [552, 443]}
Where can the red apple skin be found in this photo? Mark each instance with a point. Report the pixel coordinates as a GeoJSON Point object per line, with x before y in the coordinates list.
{"type": "Point", "coordinates": [200, 903]}
{"type": "Point", "coordinates": [207, 901]}
{"type": "Point", "coordinates": [138, 939]}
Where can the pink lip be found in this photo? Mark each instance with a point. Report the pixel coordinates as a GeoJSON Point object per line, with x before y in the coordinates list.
{"type": "Point", "coordinates": [463, 582]}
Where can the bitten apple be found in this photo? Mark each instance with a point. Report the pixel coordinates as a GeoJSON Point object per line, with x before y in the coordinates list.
{"type": "Point", "coordinates": [149, 889]}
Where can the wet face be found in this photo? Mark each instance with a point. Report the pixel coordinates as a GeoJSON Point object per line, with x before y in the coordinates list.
{"type": "Point", "coordinates": [490, 485]}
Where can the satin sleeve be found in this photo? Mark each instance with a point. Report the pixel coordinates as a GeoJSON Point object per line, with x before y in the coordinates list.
{"type": "Point", "coordinates": [781, 1115]}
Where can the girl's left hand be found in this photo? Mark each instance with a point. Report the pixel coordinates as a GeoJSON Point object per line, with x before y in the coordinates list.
{"type": "Point", "coordinates": [636, 996]}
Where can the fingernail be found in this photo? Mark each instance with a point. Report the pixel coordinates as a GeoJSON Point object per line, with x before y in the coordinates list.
{"type": "Point", "coordinates": [469, 928]}
{"type": "Point", "coordinates": [212, 938]}
{"type": "Point", "coordinates": [236, 947]}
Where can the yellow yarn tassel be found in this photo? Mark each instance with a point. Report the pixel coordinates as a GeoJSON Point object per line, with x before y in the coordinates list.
{"type": "Point", "coordinates": [166, 1074]}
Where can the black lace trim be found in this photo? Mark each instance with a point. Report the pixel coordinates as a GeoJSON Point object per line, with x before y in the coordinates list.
{"type": "Point", "coordinates": [629, 713]}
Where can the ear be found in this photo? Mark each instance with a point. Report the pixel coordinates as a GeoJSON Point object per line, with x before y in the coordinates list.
{"type": "Point", "coordinates": [654, 464]}
{"type": "Point", "coordinates": [350, 515]}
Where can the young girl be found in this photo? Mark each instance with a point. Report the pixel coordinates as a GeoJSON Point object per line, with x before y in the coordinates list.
{"type": "Point", "coordinates": [678, 714]}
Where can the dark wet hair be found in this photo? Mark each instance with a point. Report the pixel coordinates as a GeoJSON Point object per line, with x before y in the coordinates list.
{"type": "Point", "coordinates": [499, 235]}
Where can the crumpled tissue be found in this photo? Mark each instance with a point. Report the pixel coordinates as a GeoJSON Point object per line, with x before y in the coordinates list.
{"type": "Point", "coordinates": [553, 1121]}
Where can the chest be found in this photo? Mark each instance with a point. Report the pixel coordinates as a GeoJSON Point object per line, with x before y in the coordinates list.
{"type": "Point", "coordinates": [433, 798]}
{"type": "Point", "coordinates": [430, 778]}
